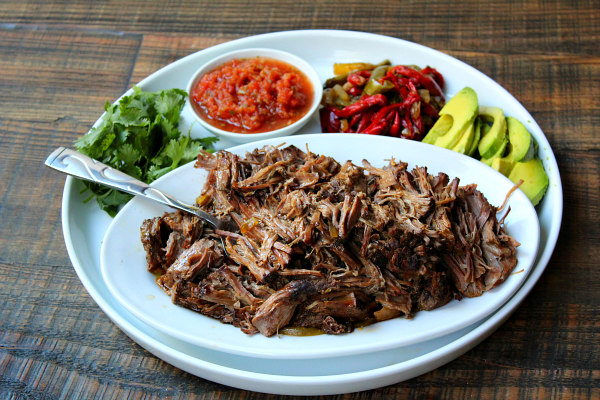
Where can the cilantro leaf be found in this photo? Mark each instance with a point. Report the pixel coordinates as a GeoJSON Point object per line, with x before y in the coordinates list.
{"type": "Point", "coordinates": [139, 135]}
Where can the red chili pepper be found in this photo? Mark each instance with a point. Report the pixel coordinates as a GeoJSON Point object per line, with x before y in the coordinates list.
{"type": "Point", "coordinates": [385, 111]}
{"type": "Point", "coordinates": [395, 128]}
{"type": "Point", "coordinates": [355, 91]}
{"type": "Point", "coordinates": [435, 74]}
{"type": "Point", "coordinates": [398, 82]}
{"type": "Point", "coordinates": [374, 129]}
{"type": "Point", "coordinates": [362, 104]}
{"type": "Point", "coordinates": [411, 97]}
{"type": "Point", "coordinates": [364, 121]}
{"type": "Point", "coordinates": [355, 119]}
{"type": "Point", "coordinates": [425, 80]}
{"type": "Point", "coordinates": [357, 79]}
{"type": "Point", "coordinates": [380, 121]}
{"type": "Point", "coordinates": [329, 120]}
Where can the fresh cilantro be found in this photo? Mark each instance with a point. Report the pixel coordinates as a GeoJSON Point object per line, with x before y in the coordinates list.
{"type": "Point", "coordinates": [140, 136]}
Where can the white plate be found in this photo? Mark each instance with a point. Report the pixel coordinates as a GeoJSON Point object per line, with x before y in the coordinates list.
{"type": "Point", "coordinates": [84, 226]}
{"type": "Point", "coordinates": [124, 265]}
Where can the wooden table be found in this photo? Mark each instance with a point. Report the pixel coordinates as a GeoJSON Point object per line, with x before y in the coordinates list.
{"type": "Point", "coordinates": [61, 61]}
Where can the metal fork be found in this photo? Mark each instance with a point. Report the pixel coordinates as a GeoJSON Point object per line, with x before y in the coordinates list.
{"type": "Point", "coordinates": [81, 166]}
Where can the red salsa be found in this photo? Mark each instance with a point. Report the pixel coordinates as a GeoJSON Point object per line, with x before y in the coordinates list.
{"type": "Point", "coordinates": [252, 95]}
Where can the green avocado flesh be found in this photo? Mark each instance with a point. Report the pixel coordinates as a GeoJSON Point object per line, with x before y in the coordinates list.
{"type": "Point", "coordinates": [502, 165]}
{"type": "Point", "coordinates": [440, 128]}
{"type": "Point", "coordinates": [522, 144]}
{"type": "Point", "coordinates": [498, 154]}
{"type": "Point", "coordinates": [521, 147]}
{"type": "Point", "coordinates": [476, 137]}
{"type": "Point", "coordinates": [465, 143]}
{"type": "Point", "coordinates": [455, 118]}
{"type": "Point", "coordinates": [495, 137]}
{"type": "Point", "coordinates": [535, 179]}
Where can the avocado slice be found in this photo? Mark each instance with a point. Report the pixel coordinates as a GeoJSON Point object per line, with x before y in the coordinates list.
{"type": "Point", "coordinates": [502, 165]}
{"type": "Point", "coordinates": [440, 128]}
{"type": "Point", "coordinates": [495, 138]}
{"type": "Point", "coordinates": [465, 143]}
{"type": "Point", "coordinates": [455, 117]}
{"type": "Point", "coordinates": [499, 153]}
{"type": "Point", "coordinates": [535, 179]}
{"type": "Point", "coordinates": [522, 145]}
{"type": "Point", "coordinates": [476, 137]}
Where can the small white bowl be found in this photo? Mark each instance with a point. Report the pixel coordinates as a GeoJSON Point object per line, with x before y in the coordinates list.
{"type": "Point", "coordinates": [289, 58]}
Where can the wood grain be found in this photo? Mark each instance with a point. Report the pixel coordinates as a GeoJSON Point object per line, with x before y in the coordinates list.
{"type": "Point", "coordinates": [157, 51]}
{"type": "Point", "coordinates": [62, 60]}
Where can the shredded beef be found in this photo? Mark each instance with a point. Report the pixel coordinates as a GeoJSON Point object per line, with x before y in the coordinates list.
{"type": "Point", "coordinates": [326, 245]}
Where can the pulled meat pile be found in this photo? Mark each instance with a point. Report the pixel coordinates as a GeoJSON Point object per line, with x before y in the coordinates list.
{"type": "Point", "coordinates": [326, 245]}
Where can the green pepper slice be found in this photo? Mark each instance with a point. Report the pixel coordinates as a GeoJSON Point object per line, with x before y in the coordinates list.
{"type": "Point", "coordinates": [374, 86]}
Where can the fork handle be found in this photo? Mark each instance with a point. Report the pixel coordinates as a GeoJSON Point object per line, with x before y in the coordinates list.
{"type": "Point", "coordinates": [81, 166]}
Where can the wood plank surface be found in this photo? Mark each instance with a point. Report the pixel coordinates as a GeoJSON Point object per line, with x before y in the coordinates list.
{"type": "Point", "coordinates": [62, 60]}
